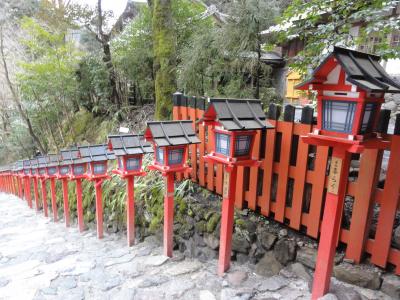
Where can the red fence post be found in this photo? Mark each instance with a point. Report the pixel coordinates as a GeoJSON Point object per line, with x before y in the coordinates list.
{"type": "Point", "coordinates": [53, 199]}
{"type": "Point", "coordinates": [65, 198]}
{"type": "Point", "coordinates": [99, 208]}
{"type": "Point", "coordinates": [169, 214]}
{"type": "Point", "coordinates": [44, 197]}
{"type": "Point", "coordinates": [36, 192]}
{"type": "Point", "coordinates": [28, 191]}
{"type": "Point", "coordinates": [79, 208]}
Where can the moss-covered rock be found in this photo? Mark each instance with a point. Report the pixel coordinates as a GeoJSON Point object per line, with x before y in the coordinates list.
{"type": "Point", "coordinates": [213, 222]}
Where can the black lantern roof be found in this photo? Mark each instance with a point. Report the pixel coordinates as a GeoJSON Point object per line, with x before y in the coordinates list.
{"type": "Point", "coordinates": [171, 133]}
{"type": "Point", "coordinates": [19, 165]}
{"type": "Point", "coordinates": [26, 164]}
{"type": "Point", "coordinates": [128, 144]}
{"type": "Point", "coordinates": [52, 160]}
{"type": "Point", "coordinates": [362, 69]}
{"type": "Point", "coordinates": [34, 163]}
{"type": "Point", "coordinates": [237, 114]}
{"type": "Point", "coordinates": [95, 153]}
{"type": "Point", "coordinates": [42, 161]}
{"type": "Point", "coordinates": [68, 156]}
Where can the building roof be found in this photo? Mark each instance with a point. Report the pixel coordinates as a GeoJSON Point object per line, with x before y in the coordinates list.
{"type": "Point", "coordinates": [94, 153]}
{"type": "Point", "coordinates": [68, 156]}
{"type": "Point", "coordinates": [171, 133]}
{"type": "Point", "coordinates": [128, 144]}
{"type": "Point", "coordinates": [362, 69]}
{"type": "Point", "coordinates": [237, 114]}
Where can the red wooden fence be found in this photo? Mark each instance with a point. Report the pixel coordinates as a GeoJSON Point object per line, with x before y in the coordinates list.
{"type": "Point", "coordinates": [290, 184]}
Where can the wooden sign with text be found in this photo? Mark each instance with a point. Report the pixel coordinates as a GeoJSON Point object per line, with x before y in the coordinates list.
{"type": "Point", "coordinates": [225, 192]}
{"type": "Point", "coordinates": [334, 175]}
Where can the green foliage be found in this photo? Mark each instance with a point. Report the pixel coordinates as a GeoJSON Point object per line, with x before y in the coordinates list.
{"type": "Point", "coordinates": [323, 24]}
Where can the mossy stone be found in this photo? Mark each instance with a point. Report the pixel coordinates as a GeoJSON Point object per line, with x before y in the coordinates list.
{"type": "Point", "coordinates": [213, 222]}
{"type": "Point", "coordinates": [201, 227]}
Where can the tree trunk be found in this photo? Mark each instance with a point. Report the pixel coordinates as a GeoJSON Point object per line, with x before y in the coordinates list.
{"type": "Point", "coordinates": [16, 99]}
{"type": "Point", "coordinates": [104, 39]}
{"type": "Point", "coordinates": [164, 41]}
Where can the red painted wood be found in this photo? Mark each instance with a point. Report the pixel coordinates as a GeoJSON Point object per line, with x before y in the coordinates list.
{"type": "Point", "coordinates": [299, 179]}
{"type": "Point", "coordinates": [53, 199]}
{"type": "Point", "coordinates": [318, 186]}
{"type": "Point", "coordinates": [44, 198]}
{"type": "Point", "coordinates": [239, 192]}
{"type": "Point", "coordinates": [169, 215]}
{"type": "Point", "coordinates": [202, 151]}
{"type": "Point", "coordinates": [210, 165]}
{"type": "Point", "coordinates": [20, 187]}
{"type": "Point", "coordinates": [286, 145]}
{"type": "Point", "coordinates": [363, 203]}
{"type": "Point", "coordinates": [388, 208]}
{"type": "Point", "coordinates": [219, 179]}
{"type": "Point", "coordinates": [227, 218]}
{"type": "Point", "coordinates": [65, 199]}
{"type": "Point", "coordinates": [99, 208]}
{"type": "Point", "coordinates": [267, 165]}
{"type": "Point", "coordinates": [79, 206]}
{"type": "Point", "coordinates": [36, 192]}
{"type": "Point", "coordinates": [330, 230]}
{"type": "Point", "coordinates": [130, 210]}
{"type": "Point", "coordinates": [28, 191]}
{"type": "Point", "coordinates": [252, 199]}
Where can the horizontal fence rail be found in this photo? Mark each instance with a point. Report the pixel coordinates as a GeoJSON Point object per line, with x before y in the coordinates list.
{"type": "Point", "coordinates": [290, 184]}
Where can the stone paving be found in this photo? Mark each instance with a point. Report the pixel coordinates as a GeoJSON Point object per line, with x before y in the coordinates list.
{"type": "Point", "coordinates": [40, 259]}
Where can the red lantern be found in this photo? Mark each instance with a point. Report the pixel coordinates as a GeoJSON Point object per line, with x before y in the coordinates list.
{"type": "Point", "coordinates": [129, 150]}
{"type": "Point", "coordinates": [35, 177]}
{"type": "Point", "coordinates": [234, 126]}
{"type": "Point", "coordinates": [350, 87]}
{"type": "Point", "coordinates": [42, 176]}
{"type": "Point", "coordinates": [170, 141]}
{"type": "Point", "coordinates": [96, 156]}
{"type": "Point", "coordinates": [52, 165]}
{"type": "Point", "coordinates": [27, 179]}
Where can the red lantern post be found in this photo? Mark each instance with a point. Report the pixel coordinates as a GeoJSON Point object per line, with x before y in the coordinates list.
{"type": "Point", "coordinates": [51, 173]}
{"type": "Point", "coordinates": [129, 150]}
{"type": "Point", "coordinates": [234, 126]}
{"type": "Point", "coordinates": [42, 162]}
{"type": "Point", "coordinates": [350, 87]}
{"type": "Point", "coordinates": [27, 179]}
{"type": "Point", "coordinates": [170, 141]}
{"type": "Point", "coordinates": [96, 156]}
{"type": "Point", "coordinates": [66, 157]}
{"type": "Point", "coordinates": [20, 174]}
{"type": "Point", "coordinates": [34, 175]}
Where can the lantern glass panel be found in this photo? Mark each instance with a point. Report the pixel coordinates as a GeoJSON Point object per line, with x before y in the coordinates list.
{"type": "Point", "coordinates": [133, 163]}
{"type": "Point", "coordinates": [338, 115]}
{"type": "Point", "coordinates": [52, 170]}
{"type": "Point", "coordinates": [242, 145]}
{"type": "Point", "coordinates": [99, 168]}
{"type": "Point", "coordinates": [26, 171]}
{"type": "Point", "coordinates": [33, 171]}
{"type": "Point", "coordinates": [79, 170]}
{"type": "Point", "coordinates": [42, 171]}
{"type": "Point", "coordinates": [175, 156]}
{"type": "Point", "coordinates": [367, 121]}
{"type": "Point", "coordinates": [222, 143]}
{"type": "Point", "coordinates": [64, 170]}
{"type": "Point", "coordinates": [160, 155]}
